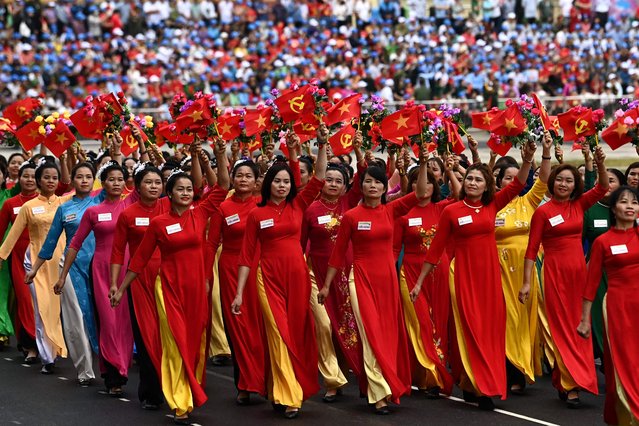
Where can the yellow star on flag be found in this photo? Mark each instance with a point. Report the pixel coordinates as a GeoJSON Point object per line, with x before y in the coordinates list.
{"type": "Point", "coordinates": [486, 118]}
{"type": "Point", "coordinates": [510, 124]}
{"type": "Point", "coordinates": [33, 134]}
{"type": "Point", "coordinates": [621, 129]}
{"type": "Point", "coordinates": [261, 122]}
{"type": "Point", "coordinates": [61, 138]}
{"type": "Point", "coordinates": [196, 115]}
{"type": "Point", "coordinates": [344, 109]}
{"type": "Point", "coordinates": [225, 128]}
{"type": "Point", "coordinates": [401, 122]}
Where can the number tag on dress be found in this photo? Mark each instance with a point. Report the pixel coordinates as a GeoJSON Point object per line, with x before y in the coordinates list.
{"type": "Point", "coordinates": [321, 220]}
{"type": "Point", "coordinates": [620, 249]}
{"type": "Point", "coordinates": [556, 220]}
{"type": "Point", "coordinates": [173, 229]}
{"type": "Point", "coordinates": [600, 223]}
{"type": "Point", "coordinates": [38, 210]}
{"type": "Point", "coordinates": [16, 210]}
{"type": "Point", "coordinates": [268, 223]}
{"type": "Point", "coordinates": [465, 220]}
{"type": "Point", "coordinates": [70, 217]}
{"type": "Point", "coordinates": [104, 217]}
{"type": "Point", "coordinates": [232, 220]}
{"type": "Point", "coordinates": [499, 222]}
{"type": "Point", "coordinates": [142, 221]}
{"type": "Point", "coordinates": [364, 226]}
{"type": "Point", "coordinates": [414, 221]}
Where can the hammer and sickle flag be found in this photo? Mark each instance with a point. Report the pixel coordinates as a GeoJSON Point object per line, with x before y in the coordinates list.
{"type": "Point", "coordinates": [130, 143]}
{"type": "Point", "coordinates": [342, 141]}
{"type": "Point", "coordinates": [295, 104]}
{"type": "Point", "coordinates": [21, 111]}
{"type": "Point", "coordinates": [577, 122]}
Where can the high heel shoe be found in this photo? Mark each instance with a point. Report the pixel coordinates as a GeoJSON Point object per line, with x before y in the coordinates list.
{"type": "Point", "coordinates": [292, 414]}
{"type": "Point", "coordinates": [243, 400]}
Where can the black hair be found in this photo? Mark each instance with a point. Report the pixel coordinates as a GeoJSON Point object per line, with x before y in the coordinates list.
{"type": "Point", "coordinates": [112, 165]}
{"type": "Point", "coordinates": [26, 165]}
{"type": "Point", "coordinates": [269, 177]}
{"type": "Point", "coordinates": [620, 176]}
{"type": "Point", "coordinates": [246, 163]}
{"type": "Point", "coordinates": [412, 178]}
{"type": "Point", "coordinates": [139, 176]}
{"type": "Point", "coordinates": [345, 159]}
{"type": "Point", "coordinates": [39, 171]}
{"type": "Point", "coordinates": [505, 161]}
{"type": "Point", "coordinates": [75, 168]}
{"type": "Point", "coordinates": [170, 183]}
{"type": "Point", "coordinates": [379, 174]}
{"type": "Point", "coordinates": [440, 163]}
{"type": "Point", "coordinates": [634, 165]}
{"type": "Point", "coordinates": [614, 199]}
{"type": "Point", "coordinates": [502, 173]}
{"type": "Point", "coordinates": [339, 168]}
{"type": "Point", "coordinates": [3, 170]}
{"type": "Point", "coordinates": [579, 182]}
{"type": "Point", "coordinates": [308, 161]}
{"type": "Point", "coordinates": [15, 154]}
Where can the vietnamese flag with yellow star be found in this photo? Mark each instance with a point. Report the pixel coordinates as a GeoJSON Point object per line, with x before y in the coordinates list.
{"type": "Point", "coordinates": [453, 136]}
{"type": "Point", "coordinates": [400, 125]}
{"type": "Point", "coordinates": [509, 122]}
{"type": "Point", "coordinates": [577, 123]}
{"type": "Point", "coordinates": [295, 104]}
{"type": "Point", "coordinates": [543, 114]}
{"type": "Point", "coordinates": [168, 132]}
{"type": "Point", "coordinates": [344, 111]}
{"type": "Point", "coordinates": [195, 117]}
{"type": "Point", "coordinates": [616, 134]}
{"type": "Point", "coordinates": [60, 139]}
{"type": "Point", "coordinates": [483, 120]}
{"type": "Point", "coordinates": [258, 121]}
{"type": "Point", "coordinates": [29, 136]}
{"type": "Point", "coordinates": [89, 126]}
{"type": "Point", "coordinates": [342, 141]}
{"type": "Point", "coordinates": [21, 111]}
{"type": "Point", "coordinates": [498, 146]}
{"type": "Point", "coordinates": [228, 126]}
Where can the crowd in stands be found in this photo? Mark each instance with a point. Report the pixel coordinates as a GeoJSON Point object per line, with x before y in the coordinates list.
{"type": "Point", "coordinates": [240, 50]}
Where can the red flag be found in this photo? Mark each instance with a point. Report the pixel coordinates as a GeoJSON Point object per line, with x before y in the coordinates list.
{"type": "Point", "coordinates": [554, 121]}
{"type": "Point", "coordinates": [295, 104]}
{"type": "Point", "coordinates": [616, 134]}
{"type": "Point", "coordinates": [89, 126]}
{"type": "Point", "coordinates": [401, 124]}
{"type": "Point", "coordinates": [543, 114]}
{"type": "Point", "coordinates": [253, 145]}
{"type": "Point", "coordinates": [509, 123]}
{"type": "Point", "coordinates": [112, 102]}
{"type": "Point", "coordinates": [169, 132]}
{"type": "Point", "coordinates": [195, 117]}
{"type": "Point", "coordinates": [258, 121]}
{"type": "Point", "coordinates": [344, 111]}
{"type": "Point", "coordinates": [228, 126]}
{"type": "Point", "coordinates": [498, 146]}
{"type": "Point", "coordinates": [7, 126]}
{"type": "Point", "coordinates": [577, 122]}
{"type": "Point", "coordinates": [60, 139]}
{"type": "Point", "coordinates": [342, 141]}
{"type": "Point", "coordinates": [29, 136]}
{"type": "Point", "coordinates": [305, 131]}
{"type": "Point", "coordinates": [21, 111]}
{"type": "Point", "coordinates": [483, 120]}
{"type": "Point", "coordinates": [130, 144]}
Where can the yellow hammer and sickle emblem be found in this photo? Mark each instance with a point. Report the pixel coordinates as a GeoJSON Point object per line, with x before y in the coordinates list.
{"type": "Point", "coordinates": [581, 126]}
{"type": "Point", "coordinates": [253, 145]}
{"type": "Point", "coordinates": [345, 140]}
{"type": "Point", "coordinates": [296, 104]}
{"type": "Point", "coordinates": [130, 141]}
{"type": "Point", "coordinates": [307, 127]}
{"type": "Point", "coordinates": [22, 111]}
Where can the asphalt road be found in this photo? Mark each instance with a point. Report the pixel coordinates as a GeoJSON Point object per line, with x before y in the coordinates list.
{"type": "Point", "coordinates": [29, 398]}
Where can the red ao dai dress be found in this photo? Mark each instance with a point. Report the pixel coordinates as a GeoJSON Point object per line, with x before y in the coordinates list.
{"type": "Point", "coordinates": [477, 298]}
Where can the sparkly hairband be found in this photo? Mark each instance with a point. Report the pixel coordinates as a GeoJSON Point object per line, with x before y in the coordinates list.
{"type": "Point", "coordinates": [139, 167]}
{"type": "Point", "coordinates": [174, 172]}
{"type": "Point", "coordinates": [242, 161]}
{"type": "Point", "coordinates": [25, 164]}
{"type": "Point", "coordinates": [105, 166]}
{"type": "Point", "coordinates": [184, 161]}
{"type": "Point", "coordinates": [41, 162]}
{"type": "Point", "coordinates": [411, 168]}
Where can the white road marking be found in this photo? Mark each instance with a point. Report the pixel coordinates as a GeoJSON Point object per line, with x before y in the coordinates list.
{"type": "Point", "coordinates": [26, 365]}
{"type": "Point", "coordinates": [62, 378]}
{"type": "Point", "coordinates": [8, 359]}
{"type": "Point", "coordinates": [124, 400]}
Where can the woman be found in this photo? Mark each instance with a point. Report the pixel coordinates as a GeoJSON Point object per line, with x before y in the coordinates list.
{"type": "Point", "coordinates": [426, 319]}
{"type": "Point", "coordinates": [374, 291]}
{"type": "Point", "coordinates": [246, 332]}
{"type": "Point", "coordinates": [24, 319]}
{"type": "Point", "coordinates": [129, 231]}
{"type": "Point", "coordinates": [13, 169]}
{"type": "Point", "coordinates": [596, 223]}
{"type": "Point", "coordinates": [512, 226]}
{"type": "Point", "coordinates": [632, 175]}
{"type": "Point", "coordinates": [558, 225]}
{"type": "Point", "coordinates": [283, 280]}
{"type": "Point", "coordinates": [617, 253]}
{"type": "Point", "coordinates": [181, 293]}
{"type": "Point", "coordinates": [115, 335]}
{"type": "Point", "coordinates": [79, 322]}
{"type": "Point", "coordinates": [477, 298]}
{"type": "Point", "coordinates": [37, 215]}
{"type": "Point", "coordinates": [334, 320]}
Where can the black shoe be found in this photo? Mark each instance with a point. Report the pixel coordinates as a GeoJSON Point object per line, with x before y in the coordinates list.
{"type": "Point", "coordinates": [573, 402]}
{"type": "Point", "coordinates": [181, 421]}
{"type": "Point", "coordinates": [30, 360]}
{"type": "Point", "coordinates": [146, 405]}
{"type": "Point", "coordinates": [521, 390]}
{"type": "Point", "coordinates": [243, 400]}
{"type": "Point", "coordinates": [116, 392]}
{"type": "Point", "coordinates": [485, 403]}
{"type": "Point", "coordinates": [84, 383]}
{"type": "Point", "coordinates": [278, 408]}
{"type": "Point", "coordinates": [470, 397]}
{"type": "Point", "coordinates": [329, 398]}
{"type": "Point", "coordinates": [220, 360]}
{"type": "Point", "coordinates": [562, 395]}
{"type": "Point", "coordinates": [291, 414]}
{"type": "Point", "coordinates": [432, 393]}
{"type": "Point", "coordinates": [47, 368]}
{"type": "Point", "coordinates": [382, 411]}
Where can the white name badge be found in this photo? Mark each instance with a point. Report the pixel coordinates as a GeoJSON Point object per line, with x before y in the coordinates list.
{"type": "Point", "coordinates": [364, 226]}
{"type": "Point", "coordinates": [600, 223]}
{"type": "Point", "coordinates": [70, 217]}
{"type": "Point", "coordinates": [556, 220]}
{"type": "Point", "coordinates": [16, 210]}
{"type": "Point", "coordinates": [38, 210]}
{"type": "Point", "coordinates": [414, 221]}
{"type": "Point", "coordinates": [465, 220]}
{"type": "Point", "coordinates": [620, 249]}
{"type": "Point", "coordinates": [142, 221]}
{"type": "Point", "coordinates": [104, 217]}
{"type": "Point", "coordinates": [321, 220]}
{"type": "Point", "coordinates": [268, 223]}
{"type": "Point", "coordinates": [230, 220]}
{"type": "Point", "coordinates": [172, 229]}
{"type": "Point", "coordinates": [500, 222]}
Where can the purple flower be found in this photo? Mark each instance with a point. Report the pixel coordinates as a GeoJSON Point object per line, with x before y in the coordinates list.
{"type": "Point", "coordinates": [624, 101]}
{"type": "Point", "coordinates": [242, 124]}
{"type": "Point", "coordinates": [376, 99]}
{"type": "Point", "coordinates": [633, 104]}
{"type": "Point", "coordinates": [269, 102]}
{"type": "Point", "coordinates": [275, 92]}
